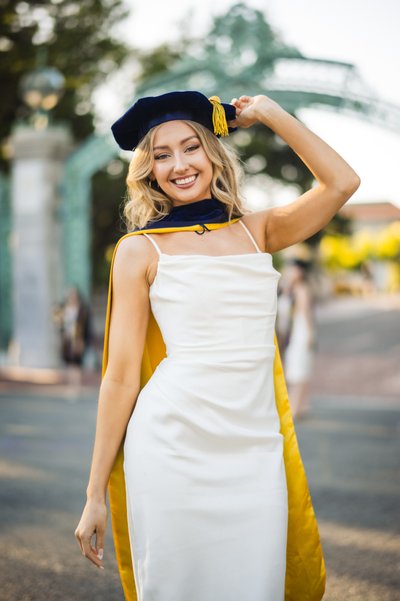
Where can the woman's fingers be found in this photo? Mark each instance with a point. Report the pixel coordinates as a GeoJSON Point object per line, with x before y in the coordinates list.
{"type": "Point", "coordinates": [79, 542]}
{"type": "Point", "coordinates": [93, 523]}
{"type": "Point", "coordinates": [90, 552]}
{"type": "Point", "coordinates": [95, 555]}
{"type": "Point", "coordinates": [242, 101]}
{"type": "Point", "coordinates": [78, 539]}
{"type": "Point", "coordinates": [238, 104]}
{"type": "Point", "coordinates": [100, 543]}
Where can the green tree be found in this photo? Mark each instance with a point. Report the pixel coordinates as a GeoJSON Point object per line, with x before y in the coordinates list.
{"type": "Point", "coordinates": [243, 38]}
{"type": "Point", "coordinates": [72, 36]}
{"type": "Point", "coordinates": [75, 38]}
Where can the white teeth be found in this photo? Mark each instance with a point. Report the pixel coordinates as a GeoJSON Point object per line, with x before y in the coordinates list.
{"type": "Point", "coordinates": [186, 180]}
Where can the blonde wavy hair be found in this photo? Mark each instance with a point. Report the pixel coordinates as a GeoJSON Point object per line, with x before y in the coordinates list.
{"type": "Point", "coordinates": [143, 203]}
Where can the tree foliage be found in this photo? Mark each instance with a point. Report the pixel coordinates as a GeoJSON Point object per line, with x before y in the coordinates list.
{"type": "Point", "coordinates": [246, 42]}
{"type": "Point", "coordinates": [72, 36]}
{"type": "Point", "coordinates": [75, 38]}
{"type": "Point", "coordinates": [240, 50]}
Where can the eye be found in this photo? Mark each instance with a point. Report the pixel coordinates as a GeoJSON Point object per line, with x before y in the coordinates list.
{"type": "Point", "coordinates": [160, 156]}
{"type": "Point", "coordinates": [192, 148]}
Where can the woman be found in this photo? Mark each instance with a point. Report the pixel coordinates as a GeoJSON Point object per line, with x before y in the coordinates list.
{"type": "Point", "coordinates": [202, 457]}
{"type": "Point", "coordinates": [73, 319]}
{"type": "Point", "coordinates": [300, 343]}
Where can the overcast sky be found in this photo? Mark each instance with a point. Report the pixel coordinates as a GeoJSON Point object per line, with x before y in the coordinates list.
{"type": "Point", "coordinates": [363, 32]}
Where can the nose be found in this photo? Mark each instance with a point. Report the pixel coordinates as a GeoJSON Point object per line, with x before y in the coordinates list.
{"type": "Point", "coordinates": [181, 164]}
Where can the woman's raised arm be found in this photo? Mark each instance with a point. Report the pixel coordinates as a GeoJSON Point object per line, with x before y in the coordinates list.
{"type": "Point", "coordinates": [120, 385]}
{"type": "Point", "coordinates": [337, 181]}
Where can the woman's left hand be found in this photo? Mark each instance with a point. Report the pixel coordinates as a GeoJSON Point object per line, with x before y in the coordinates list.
{"type": "Point", "coordinates": [249, 108]}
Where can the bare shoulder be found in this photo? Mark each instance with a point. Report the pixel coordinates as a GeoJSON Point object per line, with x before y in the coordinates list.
{"type": "Point", "coordinates": [130, 309]}
{"type": "Point", "coordinates": [257, 222]}
{"type": "Point", "coordinates": [132, 258]}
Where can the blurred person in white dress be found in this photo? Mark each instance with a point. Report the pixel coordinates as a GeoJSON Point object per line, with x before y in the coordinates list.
{"type": "Point", "coordinates": [297, 333]}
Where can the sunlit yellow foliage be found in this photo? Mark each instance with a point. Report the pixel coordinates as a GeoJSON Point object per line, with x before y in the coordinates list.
{"type": "Point", "coordinates": [387, 242]}
{"type": "Point", "coordinates": [362, 242]}
{"type": "Point", "coordinates": [349, 252]}
{"type": "Point", "coordinates": [343, 251]}
{"type": "Point", "coordinates": [394, 277]}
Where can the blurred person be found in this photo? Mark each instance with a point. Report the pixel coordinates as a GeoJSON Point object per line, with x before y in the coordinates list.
{"type": "Point", "coordinates": [367, 279]}
{"type": "Point", "coordinates": [297, 333]}
{"type": "Point", "coordinates": [193, 426]}
{"type": "Point", "coordinates": [284, 317]}
{"type": "Point", "coordinates": [73, 318]}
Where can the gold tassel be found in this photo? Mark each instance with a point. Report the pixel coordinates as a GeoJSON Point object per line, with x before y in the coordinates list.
{"type": "Point", "coordinates": [219, 117]}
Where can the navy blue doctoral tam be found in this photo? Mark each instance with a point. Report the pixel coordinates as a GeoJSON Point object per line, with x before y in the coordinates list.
{"type": "Point", "coordinates": [150, 111]}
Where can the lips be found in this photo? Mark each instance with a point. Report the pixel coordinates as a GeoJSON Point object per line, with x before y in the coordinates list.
{"type": "Point", "coordinates": [184, 182]}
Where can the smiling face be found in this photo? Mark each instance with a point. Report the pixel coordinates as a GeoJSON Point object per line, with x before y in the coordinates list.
{"type": "Point", "coordinates": [181, 167]}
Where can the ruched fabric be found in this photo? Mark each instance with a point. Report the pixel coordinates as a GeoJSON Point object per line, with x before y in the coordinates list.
{"type": "Point", "coordinates": [207, 492]}
{"type": "Point", "coordinates": [204, 468]}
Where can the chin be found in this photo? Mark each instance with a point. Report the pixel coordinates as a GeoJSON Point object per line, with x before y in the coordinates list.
{"type": "Point", "coordinates": [188, 196]}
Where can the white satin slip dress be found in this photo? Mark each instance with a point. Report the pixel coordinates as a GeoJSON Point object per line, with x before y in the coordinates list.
{"type": "Point", "coordinates": [203, 454]}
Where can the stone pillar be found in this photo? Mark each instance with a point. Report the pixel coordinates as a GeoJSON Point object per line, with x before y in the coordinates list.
{"type": "Point", "coordinates": [36, 242]}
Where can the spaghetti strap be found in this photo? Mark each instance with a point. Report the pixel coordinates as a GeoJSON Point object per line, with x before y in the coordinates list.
{"type": "Point", "coordinates": [250, 236]}
{"type": "Point", "coordinates": [154, 243]}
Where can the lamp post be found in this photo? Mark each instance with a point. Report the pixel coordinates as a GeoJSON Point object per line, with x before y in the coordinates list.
{"type": "Point", "coordinates": [38, 151]}
{"type": "Point", "coordinates": [41, 90]}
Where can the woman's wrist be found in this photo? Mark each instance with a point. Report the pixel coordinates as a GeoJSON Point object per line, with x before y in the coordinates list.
{"type": "Point", "coordinates": [97, 494]}
{"type": "Point", "coordinates": [268, 110]}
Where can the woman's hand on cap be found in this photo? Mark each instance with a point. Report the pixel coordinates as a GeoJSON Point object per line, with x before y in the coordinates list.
{"type": "Point", "coordinates": [249, 109]}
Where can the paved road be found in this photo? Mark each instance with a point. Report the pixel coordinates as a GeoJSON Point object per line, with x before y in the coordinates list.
{"type": "Point", "coordinates": [45, 446]}
{"type": "Point", "coordinates": [351, 453]}
{"type": "Point", "coordinates": [359, 350]}
{"type": "Point", "coordinates": [350, 447]}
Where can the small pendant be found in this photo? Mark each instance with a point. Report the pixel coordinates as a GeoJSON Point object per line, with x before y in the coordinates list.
{"type": "Point", "coordinates": [204, 229]}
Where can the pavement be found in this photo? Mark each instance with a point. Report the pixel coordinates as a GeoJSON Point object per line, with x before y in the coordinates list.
{"type": "Point", "coordinates": [359, 348]}
{"type": "Point", "coordinates": [351, 454]}
{"type": "Point", "coordinates": [46, 443]}
{"type": "Point", "coordinates": [349, 444]}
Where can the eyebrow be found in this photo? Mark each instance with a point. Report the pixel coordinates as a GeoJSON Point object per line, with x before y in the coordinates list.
{"type": "Point", "coordinates": [181, 142]}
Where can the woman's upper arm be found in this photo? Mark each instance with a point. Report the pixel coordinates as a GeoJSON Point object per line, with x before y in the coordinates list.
{"type": "Point", "coordinates": [305, 216]}
{"type": "Point", "coordinates": [130, 310]}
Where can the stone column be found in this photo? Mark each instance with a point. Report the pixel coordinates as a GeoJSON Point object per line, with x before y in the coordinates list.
{"type": "Point", "coordinates": [36, 242]}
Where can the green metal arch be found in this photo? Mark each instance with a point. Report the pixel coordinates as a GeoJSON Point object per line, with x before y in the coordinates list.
{"type": "Point", "coordinates": [295, 82]}
{"type": "Point", "coordinates": [80, 166]}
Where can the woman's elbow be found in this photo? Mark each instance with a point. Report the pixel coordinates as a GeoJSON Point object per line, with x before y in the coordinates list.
{"type": "Point", "coordinates": [354, 184]}
{"type": "Point", "coordinates": [348, 186]}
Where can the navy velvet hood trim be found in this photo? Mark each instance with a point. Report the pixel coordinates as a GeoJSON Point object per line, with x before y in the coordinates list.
{"type": "Point", "coordinates": [208, 210]}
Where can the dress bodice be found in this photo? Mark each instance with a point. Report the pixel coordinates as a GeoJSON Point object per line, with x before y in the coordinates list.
{"type": "Point", "coordinates": [226, 305]}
